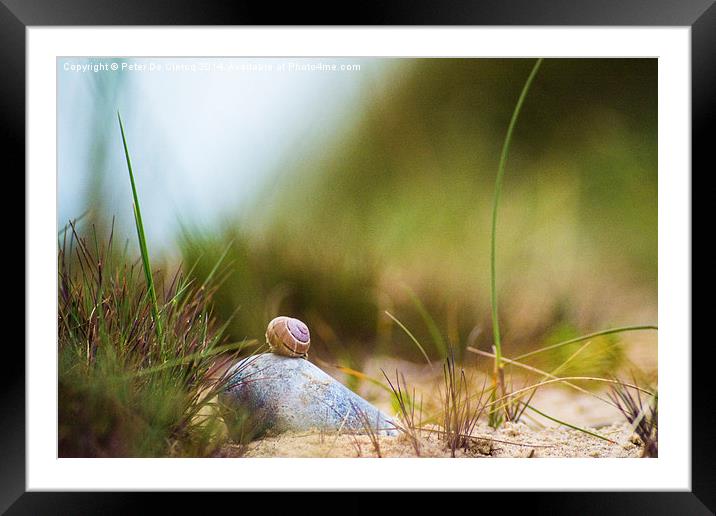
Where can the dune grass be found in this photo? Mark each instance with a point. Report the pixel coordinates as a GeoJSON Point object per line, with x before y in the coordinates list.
{"type": "Point", "coordinates": [137, 365]}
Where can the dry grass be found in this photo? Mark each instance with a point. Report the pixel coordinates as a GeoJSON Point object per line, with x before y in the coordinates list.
{"type": "Point", "coordinates": [409, 414]}
{"type": "Point", "coordinates": [644, 418]}
{"type": "Point", "coordinates": [461, 408]}
{"type": "Point", "coordinates": [124, 388]}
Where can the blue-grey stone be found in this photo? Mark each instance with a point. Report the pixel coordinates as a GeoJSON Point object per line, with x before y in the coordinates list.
{"type": "Point", "coordinates": [279, 394]}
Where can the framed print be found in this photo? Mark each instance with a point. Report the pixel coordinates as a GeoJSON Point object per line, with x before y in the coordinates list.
{"type": "Point", "coordinates": [283, 257]}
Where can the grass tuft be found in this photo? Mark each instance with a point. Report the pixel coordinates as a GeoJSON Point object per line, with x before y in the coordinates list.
{"type": "Point", "coordinates": [461, 411]}
{"type": "Point", "coordinates": [370, 428]}
{"type": "Point", "coordinates": [118, 397]}
{"type": "Point", "coordinates": [643, 417]}
{"type": "Point", "coordinates": [139, 371]}
{"type": "Point", "coordinates": [411, 422]}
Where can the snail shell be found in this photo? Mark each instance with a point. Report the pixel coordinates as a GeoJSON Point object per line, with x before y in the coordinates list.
{"type": "Point", "coordinates": [288, 337]}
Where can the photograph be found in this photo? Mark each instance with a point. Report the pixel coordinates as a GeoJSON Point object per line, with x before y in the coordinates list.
{"type": "Point", "coordinates": [357, 257]}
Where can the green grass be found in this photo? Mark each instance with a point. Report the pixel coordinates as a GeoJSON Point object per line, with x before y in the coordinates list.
{"type": "Point", "coordinates": [461, 410]}
{"type": "Point", "coordinates": [409, 413]}
{"type": "Point", "coordinates": [582, 338]}
{"type": "Point", "coordinates": [139, 367]}
{"type": "Point", "coordinates": [122, 391]}
{"type": "Point", "coordinates": [430, 323]}
{"type": "Point", "coordinates": [141, 237]}
{"type": "Point", "coordinates": [499, 378]}
{"type": "Point", "coordinates": [412, 337]}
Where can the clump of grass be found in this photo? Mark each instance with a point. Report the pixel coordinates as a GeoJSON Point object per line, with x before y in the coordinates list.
{"type": "Point", "coordinates": [411, 422]}
{"type": "Point", "coordinates": [644, 417]}
{"type": "Point", "coordinates": [122, 393]}
{"type": "Point", "coordinates": [461, 408]}
{"type": "Point", "coordinates": [135, 362]}
{"type": "Point", "coordinates": [370, 428]}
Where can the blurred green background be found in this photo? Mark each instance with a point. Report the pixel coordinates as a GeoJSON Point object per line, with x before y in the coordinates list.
{"type": "Point", "coordinates": [378, 196]}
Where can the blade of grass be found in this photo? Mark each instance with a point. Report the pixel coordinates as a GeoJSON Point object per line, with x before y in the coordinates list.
{"type": "Point", "coordinates": [63, 231]}
{"type": "Point", "coordinates": [429, 322]}
{"type": "Point", "coordinates": [191, 357]}
{"type": "Point", "coordinates": [541, 372]}
{"type": "Point", "coordinates": [564, 380]}
{"type": "Point", "coordinates": [553, 373]}
{"type": "Point", "coordinates": [574, 427]}
{"type": "Point", "coordinates": [142, 239]}
{"type": "Point", "coordinates": [210, 276]}
{"type": "Point", "coordinates": [362, 376]}
{"type": "Point", "coordinates": [571, 357]}
{"type": "Point", "coordinates": [587, 337]}
{"type": "Point", "coordinates": [412, 337]}
{"type": "Point", "coordinates": [495, 204]}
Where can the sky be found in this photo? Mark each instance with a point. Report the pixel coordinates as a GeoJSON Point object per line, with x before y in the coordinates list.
{"type": "Point", "coordinates": [205, 134]}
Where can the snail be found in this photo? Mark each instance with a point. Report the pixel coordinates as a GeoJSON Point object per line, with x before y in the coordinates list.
{"type": "Point", "coordinates": [288, 337]}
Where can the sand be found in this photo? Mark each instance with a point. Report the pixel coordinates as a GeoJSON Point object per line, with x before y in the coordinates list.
{"type": "Point", "coordinates": [511, 440]}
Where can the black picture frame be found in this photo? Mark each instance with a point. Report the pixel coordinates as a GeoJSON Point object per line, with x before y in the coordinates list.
{"type": "Point", "coordinates": [700, 15]}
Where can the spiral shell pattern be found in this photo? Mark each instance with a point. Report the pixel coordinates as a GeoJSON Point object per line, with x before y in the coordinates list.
{"type": "Point", "coordinates": [288, 337]}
